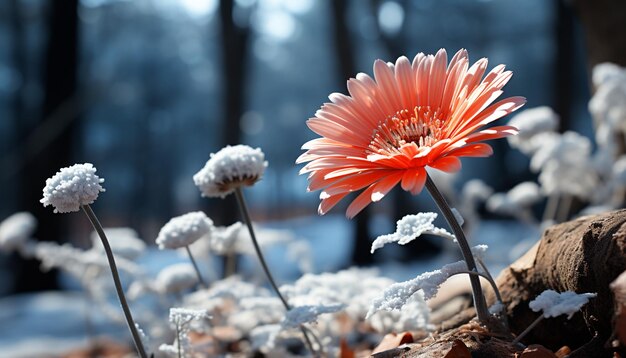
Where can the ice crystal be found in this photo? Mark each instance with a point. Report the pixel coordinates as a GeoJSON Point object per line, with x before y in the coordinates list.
{"type": "Point", "coordinates": [309, 313]}
{"type": "Point", "coordinates": [16, 230]}
{"type": "Point", "coordinates": [176, 278]}
{"type": "Point", "coordinates": [230, 168]}
{"type": "Point", "coordinates": [124, 241]}
{"type": "Point", "coordinates": [554, 304]}
{"type": "Point", "coordinates": [184, 230]}
{"type": "Point", "coordinates": [72, 187]}
{"type": "Point", "coordinates": [409, 228]}
{"type": "Point", "coordinates": [397, 295]}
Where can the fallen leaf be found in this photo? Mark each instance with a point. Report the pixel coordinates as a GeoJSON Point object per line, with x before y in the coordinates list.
{"type": "Point", "coordinates": [537, 351]}
{"type": "Point", "coordinates": [563, 352]}
{"type": "Point", "coordinates": [458, 350]}
{"type": "Point", "coordinates": [344, 350]}
{"type": "Point", "coordinates": [393, 340]}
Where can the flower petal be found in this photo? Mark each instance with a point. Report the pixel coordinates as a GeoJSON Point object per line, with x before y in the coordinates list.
{"type": "Point", "coordinates": [447, 164]}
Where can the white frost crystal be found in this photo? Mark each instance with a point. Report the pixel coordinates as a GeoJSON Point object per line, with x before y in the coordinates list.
{"type": "Point", "coordinates": [124, 241]}
{"type": "Point", "coordinates": [554, 304]}
{"type": "Point", "coordinates": [409, 228]}
{"type": "Point", "coordinates": [398, 294]}
{"type": "Point", "coordinates": [176, 278]}
{"type": "Point", "coordinates": [230, 168]}
{"type": "Point", "coordinates": [305, 314]}
{"type": "Point", "coordinates": [72, 187]}
{"type": "Point", "coordinates": [519, 198]}
{"type": "Point", "coordinates": [184, 230]}
{"type": "Point", "coordinates": [16, 230]}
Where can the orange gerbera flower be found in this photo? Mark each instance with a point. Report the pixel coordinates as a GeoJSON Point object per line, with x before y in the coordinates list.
{"type": "Point", "coordinates": [410, 116]}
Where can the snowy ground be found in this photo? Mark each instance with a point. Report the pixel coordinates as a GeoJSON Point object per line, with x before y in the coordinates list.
{"type": "Point", "coordinates": [45, 324]}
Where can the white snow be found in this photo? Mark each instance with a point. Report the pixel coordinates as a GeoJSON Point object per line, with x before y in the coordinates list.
{"type": "Point", "coordinates": [409, 228]}
{"type": "Point", "coordinates": [554, 304]}
{"type": "Point", "coordinates": [72, 187]}
{"type": "Point", "coordinates": [184, 230]}
{"type": "Point", "coordinates": [16, 230]}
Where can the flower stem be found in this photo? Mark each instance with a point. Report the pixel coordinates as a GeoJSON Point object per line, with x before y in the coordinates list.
{"type": "Point", "coordinates": [195, 267]}
{"type": "Point", "coordinates": [528, 329]}
{"type": "Point", "coordinates": [116, 279]}
{"type": "Point", "coordinates": [246, 216]}
{"type": "Point", "coordinates": [479, 299]}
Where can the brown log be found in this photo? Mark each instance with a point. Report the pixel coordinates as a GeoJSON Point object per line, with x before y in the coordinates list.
{"type": "Point", "coordinates": [583, 255]}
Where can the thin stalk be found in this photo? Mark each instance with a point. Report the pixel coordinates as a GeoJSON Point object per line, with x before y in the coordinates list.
{"type": "Point", "coordinates": [180, 355]}
{"type": "Point", "coordinates": [116, 280]}
{"type": "Point", "coordinates": [479, 299]}
{"type": "Point", "coordinates": [195, 267]}
{"type": "Point", "coordinates": [528, 329]}
{"type": "Point", "coordinates": [246, 216]}
{"type": "Point", "coordinates": [480, 274]}
{"type": "Point", "coordinates": [549, 212]}
{"type": "Point", "coordinates": [490, 279]}
{"type": "Point", "coordinates": [565, 205]}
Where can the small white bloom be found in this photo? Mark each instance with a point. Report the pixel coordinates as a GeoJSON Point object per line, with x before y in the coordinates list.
{"type": "Point", "coordinates": [124, 241]}
{"type": "Point", "coordinates": [579, 180]}
{"type": "Point", "coordinates": [16, 230]}
{"type": "Point", "coordinates": [569, 148]}
{"type": "Point", "coordinates": [530, 123]}
{"type": "Point", "coordinates": [554, 304]}
{"type": "Point", "coordinates": [409, 228]}
{"type": "Point", "coordinates": [72, 187]}
{"type": "Point", "coordinates": [230, 168]}
{"type": "Point", "coordinates": [176, 278]}
{"type": "Point", "coordinates": [181, 316]}
{"type": "Point", "coordinates": [521, 197]}
{"type": "Point", "coordinates": [184, 230]}
{"type": "Point", "coordinates": [308, 313]}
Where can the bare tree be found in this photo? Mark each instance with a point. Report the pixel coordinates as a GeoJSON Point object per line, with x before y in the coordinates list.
{"type": "Point", "coordinates": [59, 84]}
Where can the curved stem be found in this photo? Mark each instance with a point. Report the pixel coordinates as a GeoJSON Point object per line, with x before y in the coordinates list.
{"type": "Point", "coordinates": [483, 275]}
{"type": "Point", "coordinates": [246, 216]}
{"type": "Point", "coordinates": [528, 329]}
{"type": "Point", "coordinates": [479, 299]}
{"type": "Point", "coordinates": [195, 267]}
{"type": "Point", "coordinates": [116, 280]}
{"type": "Point", "coordinates": [490, 279]}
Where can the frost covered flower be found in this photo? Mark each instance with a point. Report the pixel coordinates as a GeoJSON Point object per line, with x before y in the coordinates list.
{"type": "Point", "coordinates": [569, 148]}
{"type": "Point", "coordinates": [230, 168]}
{"type": "Point", "coordinates": [554, 304]}
{"type": "Point", "coordinates": [124, 241]}
{"type": "Point", "coordinates": [409, 228]}
{"type": "Point", "coordinates": [184, 230]}
{"type": "Point", "coordinates": [409, 117]}
{"type": "Point", "coordinates": [16, 230]}
{"type": "Point", "coordinates": [308, 313]}
{"type": "Point", "coordinates": [530, 123]}
{"type": "Point", "coordinates": [176, 278]}
{"type": "Point", "coordinates": [72, 187]}
{"type": "Point", "coordinates": [520, 198]}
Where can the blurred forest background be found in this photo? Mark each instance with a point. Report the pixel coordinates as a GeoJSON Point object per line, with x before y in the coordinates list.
{"type": "Point", "coordinates": [146, 89]}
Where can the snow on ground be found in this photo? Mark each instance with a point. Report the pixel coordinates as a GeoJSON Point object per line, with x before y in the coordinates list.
{"type": "Point", "coordinates": [52, 322]}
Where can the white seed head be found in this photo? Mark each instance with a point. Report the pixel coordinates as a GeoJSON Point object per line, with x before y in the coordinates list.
{"type": "Point", "coordinates": [16, 230]}
{"type": "Point", "coordinates": [176, 278]}
{"type": "Point", "coordinates": [72, 187]}
{"type": "Point", "coordinates": [184, 230]}
{"type": "Point", "coordinates": [230, 168]}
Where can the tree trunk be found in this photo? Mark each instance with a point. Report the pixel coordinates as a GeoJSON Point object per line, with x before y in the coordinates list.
{"type": "Point", "coordinates": [59, 87]}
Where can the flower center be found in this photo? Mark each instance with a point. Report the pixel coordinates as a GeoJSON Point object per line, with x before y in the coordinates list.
{"type": "Point", "coordinates": [421, 126]}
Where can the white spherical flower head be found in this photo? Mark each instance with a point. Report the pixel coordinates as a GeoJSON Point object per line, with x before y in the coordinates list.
{"type": "Point", "coordinates": [184, 230]}
{"type": "Point", "coordinates": [72, 187]}
{"type": "Point", "coordinates": [16, 230]}
{"type": "Point", "coordinates": [230, 168]}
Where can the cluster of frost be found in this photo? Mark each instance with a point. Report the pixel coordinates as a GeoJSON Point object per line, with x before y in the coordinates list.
{"type": "Point", "coordinates": [554, 304]}
{"type": "Point", "coordinates": [411, 227]}
{"type": "Point", "coordinates": [176, 278]}
{"type": "Point", "coordinates": [517, 201]}
{"type": "Point", "coordinates": [124, 241]}
{"type": "Point", "coordinates": [181, 319]}
{"type": "Point", "coordinates": [72, 187]}
{"type": "Point", "coordinates": [398, 294]}
{"type": "Point", "coordinates": [231, 167]}
{"type": "Point", "coordinates": [308, 313]}
{"type": "Point", "coordinates": [184, 230]}
{"type": "Point", "coordinates": [16, 231]}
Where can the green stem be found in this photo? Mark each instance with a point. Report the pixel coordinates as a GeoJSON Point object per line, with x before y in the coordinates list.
{"type": "Point", "coordinates": [116, 279]}
{"type": "Point", "coordinates": [246, 216]}
{"type": "Point", "coordinates": [195, 267]}
{"type": "Point", "coordinates": [479, 299]}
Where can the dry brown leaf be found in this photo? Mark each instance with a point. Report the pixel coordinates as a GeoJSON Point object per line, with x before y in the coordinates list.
{"type": "Point", "coordinates": [537, 351]}
{"type": "Point", "coordinates": [393, 340]}
{"type": "Point", "coordinates": [344, 350]}
{"type": "Point", "coordinates": [563, 352]}
{"type": "Point", "coordinates": [458, 350]}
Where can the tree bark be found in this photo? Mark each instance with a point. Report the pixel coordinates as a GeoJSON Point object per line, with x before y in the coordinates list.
{"type": "Point", "coordinates": [59, 87]}
{"type": "Point", "coordinates": [583, 255]}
